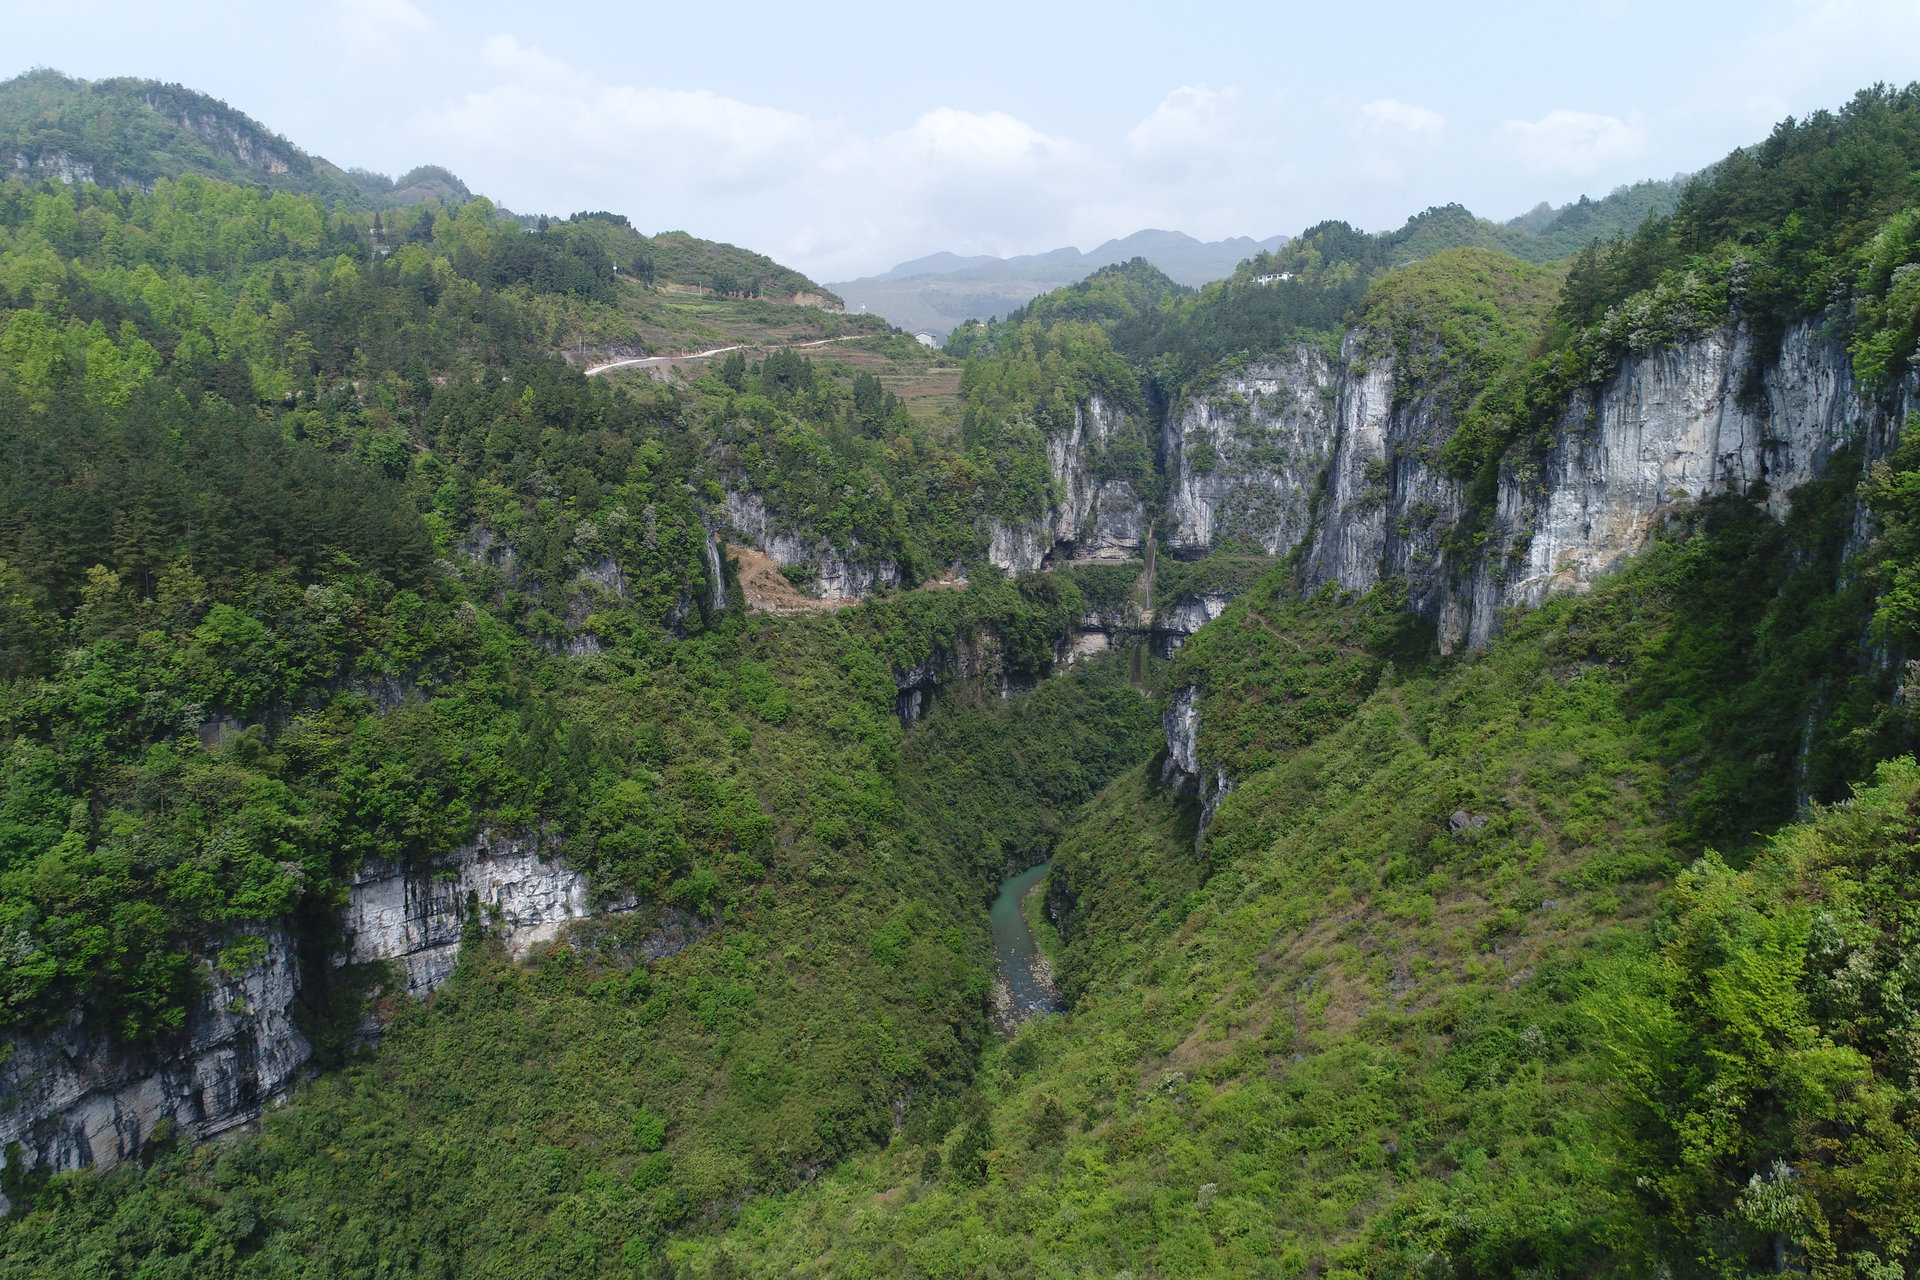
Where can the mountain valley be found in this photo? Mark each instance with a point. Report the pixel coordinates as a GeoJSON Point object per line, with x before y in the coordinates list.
{"type": "Point", "coordinates": [513, 726]}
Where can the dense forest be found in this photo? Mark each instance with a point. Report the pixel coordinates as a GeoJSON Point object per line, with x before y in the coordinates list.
{"type": "Point", "coordinates": [1589, 953]}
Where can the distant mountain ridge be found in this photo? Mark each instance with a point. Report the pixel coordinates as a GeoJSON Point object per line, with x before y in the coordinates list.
{"type": "Point", "coordinates": [937, 293]}
{"type": "Point", "coordinates": [1179, 255]}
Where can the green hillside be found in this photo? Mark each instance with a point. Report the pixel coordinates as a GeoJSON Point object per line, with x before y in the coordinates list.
{"type": "Point", "coordinates": [1588, 953]}
{"type": "Point", "coordinates": [130, 132]}
{"type": "Point", "coordinates": [127, 132]}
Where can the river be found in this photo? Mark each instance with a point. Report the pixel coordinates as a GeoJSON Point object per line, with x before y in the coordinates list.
{"type": "Point", "coordinates": [1023, 985]}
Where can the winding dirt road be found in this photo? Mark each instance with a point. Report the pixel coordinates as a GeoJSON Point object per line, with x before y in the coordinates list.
{"type": "Point", "coordinates": [717, 351]}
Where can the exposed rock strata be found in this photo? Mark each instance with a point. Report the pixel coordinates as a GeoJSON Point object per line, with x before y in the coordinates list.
{"type": "Point", "coordinates": [1672, 426]}
{"type": "Point", "coordinates": [1183, 769]}
{"type": "Point", "coordinates": [1173, 623]}
{"type": "Point", "coordinates": [1335, 461]}
{"type": "Point", "coordinates": [838, 574]}
{"type": "Point", "coordinates": [1091, 518]}
{"type": "Point", "coordinates": [917, 683]}
{"type": "Point", "coordinates": [77, 1097]}
{"type": "Point", "coordinates": [1245, 457]}
{"type": "Point", "coordinates": [415, 916]}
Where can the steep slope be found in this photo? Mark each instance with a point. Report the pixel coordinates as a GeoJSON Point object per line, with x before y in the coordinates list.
{"type": "Point", "coordinates": [1377, 1022]}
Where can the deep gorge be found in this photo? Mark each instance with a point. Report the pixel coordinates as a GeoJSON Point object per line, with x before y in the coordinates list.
{"type": "Point", "coordinates": [1459, 703]}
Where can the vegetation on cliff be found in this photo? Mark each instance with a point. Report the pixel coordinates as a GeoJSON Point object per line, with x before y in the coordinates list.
{"type": "Point", "coordinates": [1585, 954]}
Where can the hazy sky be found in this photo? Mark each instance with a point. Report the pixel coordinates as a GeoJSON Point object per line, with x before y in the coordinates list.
{"type": "Point", "coordinates": [842, 138]}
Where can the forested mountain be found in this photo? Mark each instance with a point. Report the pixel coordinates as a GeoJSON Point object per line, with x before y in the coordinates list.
{"type": "Point", "coordinates": [133, 133]}
{"type": "Point", "coordinates": [943, 290]}
{"type": "Point", "coordinates": [129, 132]}
{"type": "Point", "coordinates": [1466, 701]}
{"type": "Point", "coordinates": [937, 292]}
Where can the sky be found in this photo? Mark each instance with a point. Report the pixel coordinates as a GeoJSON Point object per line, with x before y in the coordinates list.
{"type": "Point", "coordinates": [844, 138]}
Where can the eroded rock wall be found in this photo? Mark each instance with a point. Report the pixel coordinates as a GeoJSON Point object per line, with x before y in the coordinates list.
{"type": "Point", "coordinates": [848, 573]}
{"type": "Point", "coordinates": [1670, 427]}
{"type": "Point", "coordinates": [1093, 517]}
{"type": "Point", "coordinates": [1245, 457]}
{"type": "Point", "coordinates": [78, 1097]}
{"type": "Point", "coordinates": [415, 916]}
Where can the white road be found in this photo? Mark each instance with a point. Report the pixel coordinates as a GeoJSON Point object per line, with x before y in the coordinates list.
{"type": "Point", "coordinates": [702, 355]}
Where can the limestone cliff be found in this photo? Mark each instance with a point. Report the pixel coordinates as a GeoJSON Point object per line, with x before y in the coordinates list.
{"type": "Point", "coordinates": [78, 1097]}
{"type": "Point", "coordinates": [415, 916]}
{"type": "Point", "coordinates": [1093, 516]}
{"type": "Point", "coordinates": [1671, 426]}
{"type": "Point", "coordinates": [1245, 456]}
{"type": "Point", "coordinates": [838, 573]}
{"type": "Point", "coordinates": [1183, 769]}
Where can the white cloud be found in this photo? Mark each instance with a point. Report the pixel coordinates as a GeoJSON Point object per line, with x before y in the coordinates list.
{"type": "Point", "coordinates": [550, 128]}
{"type": "Point", "coordinates": [1388, 135]}
{"type": "Point", "coordinates": [1573, 143]}
{"type": "Point", "coordinates": [548, 136]}
{"type": "Point", "coordinates": [1391, 120]}
{"type": "Point", "coordinates": [525, 64]}
{"type": "Point", "coordinates": [376, 22]}
{"type": "Point", "coordinates": [1192, 127]}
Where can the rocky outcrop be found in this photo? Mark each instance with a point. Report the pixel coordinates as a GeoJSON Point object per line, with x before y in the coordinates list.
{"type": "Point", "coordinates": [1174, 622]}
{"type": "Point", "coordinates": [1094, 517]}
{"type": "Point", "coordinates": [1673, 425]}
{"type": "Point", "coordinates": [838, 573]}
{"type": "Point", "coordinates": [1245, 457]}
{"type": "Point", "coordinates": [415, 916]}
{"type": "Point", "coordinates": [978, 659]}
{"type": "Point", "coordinates": [77, 1097]}
{"type": "Point", "coordinates": [62, 166]}
{"type": "Point", "coordinates": [226, 133]}
{"type": "Point", "coordinates": [1182, 769]}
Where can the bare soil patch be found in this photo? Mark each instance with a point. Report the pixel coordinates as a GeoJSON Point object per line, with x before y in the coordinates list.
{"type": "Point", "coordinates": [768, 591]}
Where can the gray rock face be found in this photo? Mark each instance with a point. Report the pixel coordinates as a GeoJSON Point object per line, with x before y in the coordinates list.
{"type": "Point", "coordinates": [1669, 428]}
{"type": "Point", "coordinates": [59, 165]}
{"type": "Point", "coordinates": [1090, 519]}
{"type": "Point", "coordinates": [416, 915]}
{"type": "Point", "coordinates": [1245, 457]}
{"type": "Point", "coordinates": [1385, 508]}
{"type": "Point", "coordinates": [1173, 623]}
{"type": "Point", "coordinates": [597, 586]}
{"type": "Point", "coordinates": [1181, 724]}
{"type": "Point", "coordinates": [1184, 770]}
{"type": "Point", "coordinates": [838, 574]}
{"type": "Point", "coordinates": [968, 661]}
{"type": "Point", "coordinates": [74, 1097]}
